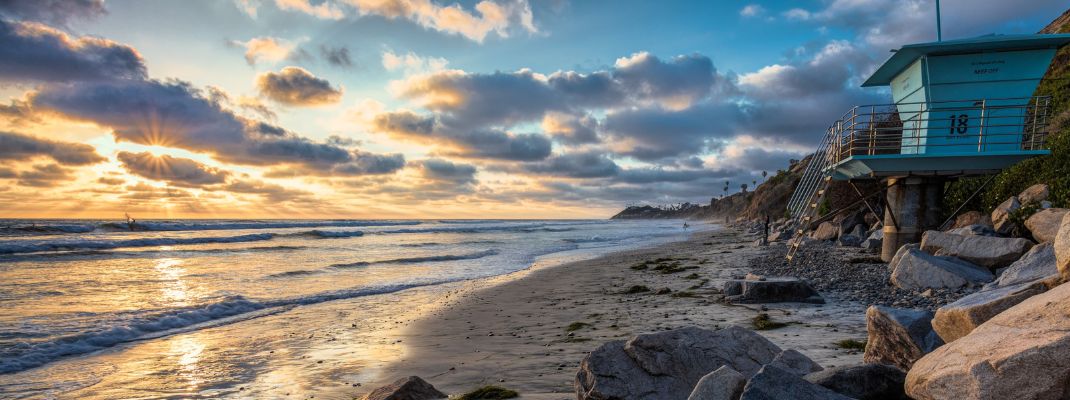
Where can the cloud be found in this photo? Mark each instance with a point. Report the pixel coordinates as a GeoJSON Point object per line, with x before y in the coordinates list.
{"type": "Point", "coordinates": [18, 147]}
{"type": "Point", "coordinates": [175, 170]}
{"type": "Point", "coordinates": [295, 86]}
{"type": "Point", "coordinates": [55, 12]}
{"type": "Point", "coordinates": [412, 63]}
{"type": "Point", "coordinates": [576, 165]}
{"type": "Point", "coordinates": [571, 128]}
{"type": "Point", "coordinates": [678, 82]}
{"type": "Point", "coordinates": [41, 175]}
{"type": "Point", "coordinates": [832, 69]}
{"type": "Point", "coordinates": [249, 7]}
{"type": "Point", "coordinates": [269, 191]}
{"type": "Point", "coordinates": [110, 181]}
{"type": "Point", "coordinates": [267, 49]}
{"type": "Point", "coordinates": [493, 16]}
{"type": "Point", "coordinates": [752, 10]}
{"type": "Point", "coordinates": [440, 170]}
{"type": "Point", "coordinates": [336, 56]}
{"type": "Point", "coordinates": [651, 134]}
{"type": "Point", "coordinates": [323, 10]}
{"type": "Point", "coordinates": [175, 114]}
{"type": "Point", "coordinates": [30, 51]}
{"type": "Point", "coordinates": [479, 143]}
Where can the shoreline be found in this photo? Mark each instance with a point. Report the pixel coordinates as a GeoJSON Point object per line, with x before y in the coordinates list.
{"type": "Point", "coordinates": [529, 330]}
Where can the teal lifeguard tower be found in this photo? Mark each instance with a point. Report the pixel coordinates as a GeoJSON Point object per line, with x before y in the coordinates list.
{"type": "Point", "coordinates": [960, 108]}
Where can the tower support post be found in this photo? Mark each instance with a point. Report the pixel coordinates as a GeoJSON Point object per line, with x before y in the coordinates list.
{"type": "Point", "coordinates": [913, 207]}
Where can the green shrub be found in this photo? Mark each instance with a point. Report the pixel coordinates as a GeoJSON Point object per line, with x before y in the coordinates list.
{"type": "Point", "coordinates": [636, 289]}
{"type": "Point", "coordinates": [852, 344]}
{"type": "Point", "coordinates": [575, 326]}
{"type": "Point", "coordinates": [762, 322]}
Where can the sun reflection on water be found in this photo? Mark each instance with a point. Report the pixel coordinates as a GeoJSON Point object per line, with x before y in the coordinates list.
{"type": "Point", "coordinates": [174, 288]}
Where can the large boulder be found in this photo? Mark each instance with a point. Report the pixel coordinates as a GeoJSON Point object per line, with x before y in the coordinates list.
{"type": "Point", "coordinates": [898, 336]}
{"type": "Point", "coordinates": [1022, 353]}
{"type": "Point", "coordinates": [972, 218]}
{"type": "Point", "coordinates": [776, 383]}
{"type": "Point", "coordinates": [1044, 224]}
{"type": "Point", "coordinates": [825, 231]}
{"type": "Point", "coordinates": [795, 361]}
{"type": "Point", "coordinates": [874, 241]}
{"type": "Point", "coordinates": [668, 364]}
{"type": "Point", "coordinates": [959, 318]}
{"type": "Point", "coordinates": [1038, 263]}
{"type": "Point", "coordinates": [863, 382]}
{"type": "Point", "coordinates": [1062, 247]}
{"type": "Point", "coordinates": [913, 269]}
{"type": "Point", "coordinates": [410, 388]}
{"type": "Point", "coordinates": [770, 290]}
{"type": "Point", "coordinates": [974, 230]}
{"type": "Point", "coordinates": [723, 384]}
{"type": "Point", "coordinates": [847, 224]}
{"type": "Point", "coordinates": [1034, 194]}
{"type": "Point", "coordinates": [991, 252]}
{"type": "Point", "coordinates": [1001, 216]}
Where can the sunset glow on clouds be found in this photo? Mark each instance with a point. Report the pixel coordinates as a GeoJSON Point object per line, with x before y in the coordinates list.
{"type": "Point", "coordinates": [428, 108]}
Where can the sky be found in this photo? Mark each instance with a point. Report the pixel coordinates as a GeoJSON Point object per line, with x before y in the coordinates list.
{"type": "Point", "coordinates": [433, 108]}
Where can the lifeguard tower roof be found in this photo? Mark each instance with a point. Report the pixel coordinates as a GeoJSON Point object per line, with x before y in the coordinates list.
{"type": "Point", "coordinates": [906, 55]}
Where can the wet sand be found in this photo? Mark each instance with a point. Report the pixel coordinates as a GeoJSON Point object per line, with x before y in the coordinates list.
{"type": "Point", "coordinates": [513, 331]}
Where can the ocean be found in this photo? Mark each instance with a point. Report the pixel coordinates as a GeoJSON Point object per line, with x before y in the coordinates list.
{"type": "Point", "coordinates": [222, 308]}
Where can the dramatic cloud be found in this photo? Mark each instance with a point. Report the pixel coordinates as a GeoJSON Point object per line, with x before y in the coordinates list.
{"type": "Point", "coordinates": [17, 147]}
{"type": "Point", "coordinates": [55, 12]}
{"type": "Point", "coordinates": [652, 134]}
{"type": "Point", "coordinates": [337, 56]}
{"type": "Point", "coordinates": [576, 165]}
{"type": "Point", "coordinates": [494, 17]}
{"type": "Point", "coordinates": [175, 114]}
{"type": "Point", "coordinates": [174, 170]}
{"type": "Point", "coordinates": [570, 128]}
{"type": "Point", "coordinates": [445, 171]}
{"type": "Point", "coordinates": [268, 49]}
{"type": "Point", "coordinates": [678, 82]}
{"type": "Point", "coordinates": [40, 175]}
{"type": "Point", "coordinates": [30, 51]}
{"type": "Point", "coordinates": [480, 143]}
{"type": "Point", "coordinates": [295, 86]}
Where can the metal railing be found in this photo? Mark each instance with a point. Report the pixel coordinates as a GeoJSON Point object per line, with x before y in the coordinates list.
{"type": "Point", "coordinates": [948, 127]}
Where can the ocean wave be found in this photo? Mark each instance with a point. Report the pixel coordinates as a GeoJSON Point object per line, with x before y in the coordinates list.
{"type": "Point", "coordinates": [121, 254]}
{"type": "Point", "coordinates": [28, 246]}
{"type": "Point", "coordinates": [25, 355]}
{"type": "Point", "coordinates": [474, 228]}
{"type": "Point", "coordinates": [412, 260]}
{"type": "Point", "coordinates": [592, 239]}
{"type": "Point", "coordinates": [46, 229]}
{"type": "Point", "coordinates": [187, 226]}
{"type": "Point", "coordinates": [331, 234]}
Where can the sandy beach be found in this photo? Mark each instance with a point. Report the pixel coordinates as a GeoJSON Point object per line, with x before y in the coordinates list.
{"type": "Point", "coordinates": [529, 331]}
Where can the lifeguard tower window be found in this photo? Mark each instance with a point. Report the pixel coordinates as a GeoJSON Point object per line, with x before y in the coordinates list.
{"type": "Point", "coordinates": [959, 107]}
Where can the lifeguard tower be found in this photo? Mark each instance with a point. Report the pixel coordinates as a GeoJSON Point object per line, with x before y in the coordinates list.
{"type": "Point", "coordinates": [960, 108]}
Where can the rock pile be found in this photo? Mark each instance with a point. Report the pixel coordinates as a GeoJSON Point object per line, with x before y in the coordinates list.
{"type": "Point", "coordinates": [727, 364]}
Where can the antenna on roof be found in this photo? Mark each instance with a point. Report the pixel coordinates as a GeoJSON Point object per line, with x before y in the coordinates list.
{"type": "Point", "coordinates": [939, 33]}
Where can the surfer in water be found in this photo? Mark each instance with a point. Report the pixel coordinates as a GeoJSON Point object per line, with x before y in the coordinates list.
{"type": "Point", "coordinates": [130, 222]}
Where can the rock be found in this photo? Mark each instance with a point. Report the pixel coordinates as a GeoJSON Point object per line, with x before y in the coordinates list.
{"type": "Point", "coordinates": [917, 270]}
{"type": "Point", "coordinates": [853, 238]}
{"type": "Point", "coordinates": [846, 225]}
{"type": "Point", "coordinates": [974, 230]}
{"type": "Point", "coordinates": [1044, 224]}
{"type": "Point", "coordinates": [1022, 353]}
{"type": "Point", "coordinates": [723, 384]}
{"type": "Point", "coordinates": [1034, 194]}
{"type": "Point", "coordinates": [1001, 216]}
{"type": "Point", "coordinates": [796, 362]}
{"type": "Point", "coordinates": [668, 364]}
{"type": "Point", "coordinates": [778, 235]}
{"type": "Point", "coordinates": [968, 218]}
{"type": "Point", "coordinates": [775, 383]}
{"type": "Point", "coordinates": [411, 388]}
{"type": "Point", "coordinates": [874, 242]}
{"type": "Point", "coordinates": [771, 290]}
{"type": "Point", "coordinates": [990, 252]}
{"type": "Point", "coordinates": [1045, 204]}
{"type": "Point", "coordinates": [959, 318]}
{"type": "Point", "coordinates": [753, 277]}
{"type": "Point", "coordinates": [1062, 247]}
{"type": "Point", "coordinates": [826, 231]}
{"type": "Point", "coordinates": [903, 250]}
{"type": "Point", "coordinates": [1038, 263]}
{"type": "Point", "coordinates": [863, 382]}
{"type": "Point", "coordinates": [898, 336]}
